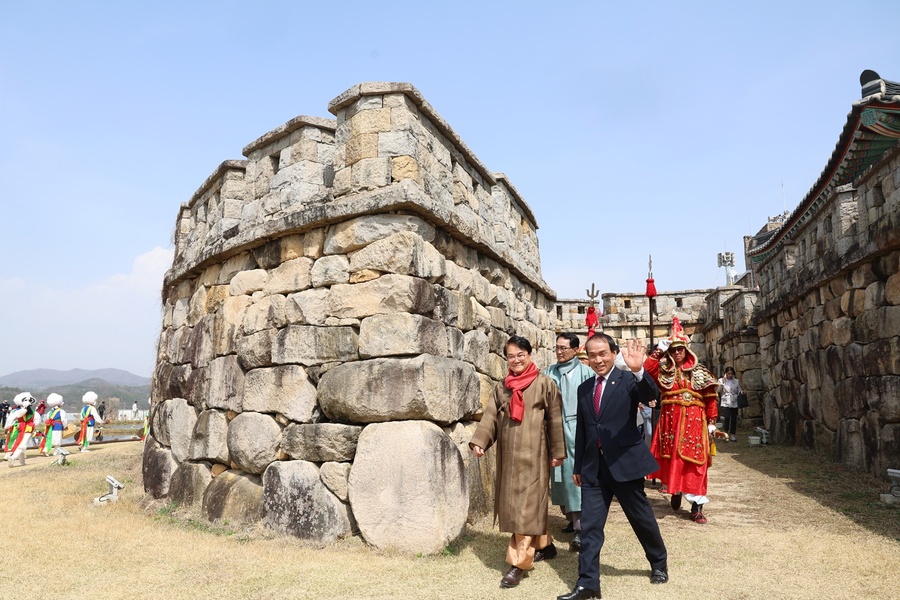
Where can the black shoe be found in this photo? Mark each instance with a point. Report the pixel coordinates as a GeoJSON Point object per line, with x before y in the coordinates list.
{"type": "Point", "coordinates": [659, 576]}
{"type": "Point", "coordinates": [545, 553]}
{"type": "Point", "coordinates": [569, 528]}
{"type": "Point", "coordinates": [513, 577]}
{"type": "Point", "coordinates": [575, 544]}
{"type": "Point", "coordinates": [676, 501]}
{"type": "Point", "coordinates": [578, 593]}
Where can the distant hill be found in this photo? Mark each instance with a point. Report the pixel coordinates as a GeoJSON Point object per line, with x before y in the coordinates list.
{"type": "Point", "coordinates": [37, 379]}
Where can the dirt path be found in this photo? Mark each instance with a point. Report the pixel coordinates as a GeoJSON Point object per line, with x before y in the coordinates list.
{"type": "Point", "coordinates": [768, 536]}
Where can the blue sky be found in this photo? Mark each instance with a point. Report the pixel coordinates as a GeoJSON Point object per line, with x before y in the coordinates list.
{"type": "Point", "coordinates": [630, 129]}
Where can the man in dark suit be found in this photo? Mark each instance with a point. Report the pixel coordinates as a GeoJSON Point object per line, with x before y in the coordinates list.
{"type": "Point", "coordinates": [611, 458]}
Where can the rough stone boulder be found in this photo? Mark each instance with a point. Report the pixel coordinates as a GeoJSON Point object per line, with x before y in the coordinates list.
{"type": "Point", "coordinates": [189, 482]}
{"type": "Point", "coordinates": [320, 442]}
{"type": "Point", "coordinates": [335, 475]}
{"type": "Point", "coordinates": [437, 389]}
{"type": "Point", "coordinates": [407, 487]}
{"type": "Point", "coordinates": [180, 420]}
{"type": "Point", "coordinates": [297, 503]}
{"type": "Point", "coordinates": [285, 390]}
{"type": "Point", "coordinates": [401, 333]}
{"type": "Point", "coordinates": [211, 437]}
{"type": "Point", "coordinates": [157, 466]}
{"type": "Point", "coordinates": [253, 441]}
{"type": "Point", "coordinates": [234, 496]}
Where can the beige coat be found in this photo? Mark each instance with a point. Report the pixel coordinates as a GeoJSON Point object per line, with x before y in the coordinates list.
{"type": "Point", "coordinates": [522, 487]}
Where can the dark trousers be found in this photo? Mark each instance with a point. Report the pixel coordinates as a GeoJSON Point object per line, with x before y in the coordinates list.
{"type": "Point", "coordinates": [731, 418]}
{"type": "Point", "coordinates": [594, 511]}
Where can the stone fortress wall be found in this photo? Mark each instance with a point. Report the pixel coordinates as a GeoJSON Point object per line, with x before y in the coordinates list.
{"type": "Point", "coordinates": [829, 325]}
{"type": "Point", "coordinates": [334, 319]}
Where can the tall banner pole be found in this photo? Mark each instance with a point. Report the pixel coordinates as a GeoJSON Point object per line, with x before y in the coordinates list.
{"type": "Point", "coordinates": [651, 294]}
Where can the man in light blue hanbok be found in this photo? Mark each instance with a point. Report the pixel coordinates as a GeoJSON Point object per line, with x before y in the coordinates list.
{"type": "Point", "coordinates": [568, 373]}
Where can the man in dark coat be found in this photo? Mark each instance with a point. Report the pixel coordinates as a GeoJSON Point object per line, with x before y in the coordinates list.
{"type": "Point", "coordinates": [611, 459]}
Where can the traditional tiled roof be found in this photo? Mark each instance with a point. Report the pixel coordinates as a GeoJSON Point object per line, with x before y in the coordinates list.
{"type": "Point", "coordinates": [872, 128]}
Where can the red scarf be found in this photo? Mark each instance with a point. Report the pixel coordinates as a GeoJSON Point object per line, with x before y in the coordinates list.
{"type": "Point", "coordinates": [517, 383]}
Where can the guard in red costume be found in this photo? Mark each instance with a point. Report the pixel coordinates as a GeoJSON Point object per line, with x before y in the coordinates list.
{"type": "Point", "coordinates": [687, 418]}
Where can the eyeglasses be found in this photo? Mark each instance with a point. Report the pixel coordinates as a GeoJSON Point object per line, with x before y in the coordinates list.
{"type": "Point", "coordinates": [515, 357]}
{"type": "Point", "coordinates": [564, 348]}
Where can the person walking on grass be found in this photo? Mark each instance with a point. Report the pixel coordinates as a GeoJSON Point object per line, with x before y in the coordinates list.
{"type": "Point", "coordinates": [523, 417]}
{"type": "Point", "coordinates": [687, 418]}
{"type": "Point", "coordinates": [729, 388]}
{"type": "Point", "coordinates": [568, 373]}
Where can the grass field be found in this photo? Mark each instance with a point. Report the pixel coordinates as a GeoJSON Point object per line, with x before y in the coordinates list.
{"type": "Point", "coordinates": [782, 524]}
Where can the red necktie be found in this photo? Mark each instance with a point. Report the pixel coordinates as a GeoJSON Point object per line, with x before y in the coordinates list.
{"type": "Point", "coordinates": [598, 390]}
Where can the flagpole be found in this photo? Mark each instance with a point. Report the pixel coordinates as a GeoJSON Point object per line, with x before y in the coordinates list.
{"type": "Point", "coordinates": [651, 294]}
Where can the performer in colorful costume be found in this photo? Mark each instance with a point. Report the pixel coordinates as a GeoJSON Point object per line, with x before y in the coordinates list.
{"type": "Point", "coordinates": [21, 424]}
{"type": "Point", "coordinates": [687, 418]}
{"type": "Point", "coordinates": [54, 422]}
{"type": "Point", "coordinates": [89, 418]}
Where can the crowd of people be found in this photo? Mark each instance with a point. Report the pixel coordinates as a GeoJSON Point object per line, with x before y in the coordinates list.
{"type": "Point", "coordinates": [43, 424]}
{"type": "Point", "coordinates": [602, 422]}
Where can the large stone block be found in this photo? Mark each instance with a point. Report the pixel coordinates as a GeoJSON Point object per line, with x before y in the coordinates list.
{"type": "Point", "coordinates": [320, 442]}
{"type": "Point", "coordinates": [356, 233]}
{"type": "Point", "coordinates": [408, 487]}
{"type": "Point", "coordinates": [210, 440]}
{"type": "Point", "coordinates": [253, 441]}
{"type": "Point", "coordinates": [157, 466]}
{"type": "Point", "coordinates": [298, 503]}
{"type": "Point", "coordinates": [291, 276]}
{"type": "Point", "coordinates": [309, 307]}
{"type": "Point", "coordinates": [180, 420]}
{"type": "Point", "coordinates": [189, 483]}
{"type": "Point", "coordinates": [443, 390]}
{"type": "Point", "coordinates": [283, 390]}
{"type": "Point", "coordinates": [883, 395]}
{"type": "Point", "coordinates": [255, 350]}
{"type": "Point", "coordinates": [234, 496]}
{"type": "Point", "coordinates": [335, 476]}
{"type": "Point", "coordinates": [387, 294]}
{"type": "Point", "coordinates": [247, 282]}
{"type": "Point", "coordinates": [401, 333]}
{"type": "Point", "coordinates": [330, 270]}
{"type": "Point", "coordinates": [225, 387]}
{"type": "Point", "coordinates": [310, 345]}
{"type": "Point", "coordinates": [404, 253]}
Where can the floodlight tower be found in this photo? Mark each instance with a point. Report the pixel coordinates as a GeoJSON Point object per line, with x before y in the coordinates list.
{"type": "Point", "coordinates": [726, 259]}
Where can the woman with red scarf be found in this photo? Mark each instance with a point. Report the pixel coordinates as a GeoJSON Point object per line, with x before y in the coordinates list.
{"type": "Point", "coordinates": [524, 418]}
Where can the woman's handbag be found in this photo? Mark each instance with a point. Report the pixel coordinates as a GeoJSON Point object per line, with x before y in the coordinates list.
{"type": "Point", "coordinates": [742, 400]}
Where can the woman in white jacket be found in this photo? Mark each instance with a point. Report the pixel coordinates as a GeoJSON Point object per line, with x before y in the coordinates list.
{"type": "Point", "coordinates": [729, 388]}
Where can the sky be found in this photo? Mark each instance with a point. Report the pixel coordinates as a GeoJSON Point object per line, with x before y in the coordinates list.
{"type": "Point", "coordinates": [631, 129]}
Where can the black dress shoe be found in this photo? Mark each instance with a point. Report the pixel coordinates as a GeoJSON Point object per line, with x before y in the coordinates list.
{"type": "Point", "coordinates": [545, 553]}
{"type": "Point", "coordinates": [659, 576]}
{"type": "Point", "coordinates": [575, 544]}
{"type": "Point", "coordinates": [578, 593]}
{"type": "Point", "coordinates": [513, 577]}
{"type": "Point", "coordinates": [569, 528]}
{"type": "Point", "coordinates": [676, 501]}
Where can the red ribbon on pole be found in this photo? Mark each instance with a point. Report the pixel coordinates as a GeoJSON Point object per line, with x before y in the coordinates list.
{"type": "Point", "coordinates": [651, 288]}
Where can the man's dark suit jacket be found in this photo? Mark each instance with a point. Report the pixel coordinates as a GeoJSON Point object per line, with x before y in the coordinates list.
{"type": "Point", "coordinates": [624, 450]}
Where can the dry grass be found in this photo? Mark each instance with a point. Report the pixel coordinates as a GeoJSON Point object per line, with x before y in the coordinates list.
{"type": "Point", "coordinates": [782, 524]}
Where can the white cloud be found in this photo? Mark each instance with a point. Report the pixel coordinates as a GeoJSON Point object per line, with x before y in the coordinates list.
{"type": "Point", "coordinates": [113, 322]}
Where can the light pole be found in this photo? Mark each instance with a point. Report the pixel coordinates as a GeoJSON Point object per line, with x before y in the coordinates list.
{"type": "Point", "coordinates": [726, 259]}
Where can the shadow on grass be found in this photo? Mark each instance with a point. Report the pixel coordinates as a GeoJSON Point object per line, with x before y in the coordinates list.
{"type": "Point", "coordinates": [489, 545]}
{"type": "Point", "coordinates": [850, 493]}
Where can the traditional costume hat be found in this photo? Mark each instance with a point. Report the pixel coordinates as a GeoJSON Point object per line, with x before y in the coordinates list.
{"type": "Point", "coordinates": [677, 336]}
{"type": "Point", "coordinates": [89, 398]}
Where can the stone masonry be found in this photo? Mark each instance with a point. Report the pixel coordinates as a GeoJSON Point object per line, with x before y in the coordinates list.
{"type": "Point", "coordinates": [828, 306]}
{"type": "Point", "coordinates": [334, 318]}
